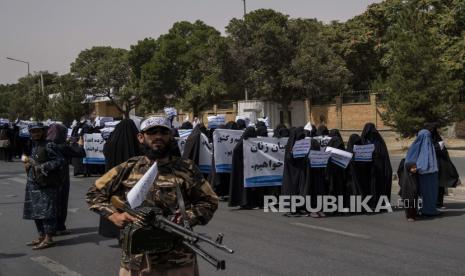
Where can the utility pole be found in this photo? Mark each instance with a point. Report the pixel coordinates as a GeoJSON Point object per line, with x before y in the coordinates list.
{"type": "Point", "coordinates": [245, 12]}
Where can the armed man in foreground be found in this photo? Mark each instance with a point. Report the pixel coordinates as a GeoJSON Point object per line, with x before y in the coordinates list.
{"type": "Point", "coordinates": [179, 191]}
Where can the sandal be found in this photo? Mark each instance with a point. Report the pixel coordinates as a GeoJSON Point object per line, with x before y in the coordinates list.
{"type": "Point", "coordinates": [35, 242]}
{"type": "Point", "coordinates": [44, 244]}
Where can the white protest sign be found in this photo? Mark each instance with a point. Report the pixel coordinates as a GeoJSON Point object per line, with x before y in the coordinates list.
{"type": "Point", "coordinates": [215, 121]}
{"type": "Point", "coordinates": [301, 148]}
{"type": "Point", "coordinates": [264, 161]}
{"type": "Point", "coordinates": [318, 159]}
{"type": "Point", "coordinates": [181, 143]}
{"type": "Point", "coordinates": [170, 112]}
{"type": "Point", "coordinates": [364, 153]}
{"type": "Point", "coordinates": [184, 133]}
{"type": "Point", "coordinates": [340, 157]}
{"type": "Point", "coordinates": [93, 145]}
{"type": "Point", "coordinates": [323, 140]}
{"type": "Point", "coordinates": [224, 141]}
{"type": "Point", "coordinates": [205, 154]}
{"type": "Point", "coordinates": [138, 193]}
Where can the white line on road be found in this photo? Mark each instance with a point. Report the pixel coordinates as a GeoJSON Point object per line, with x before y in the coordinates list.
{"type": "Point", "coordinates": [330, 230]}
{"type": "Point", "coordinates": [54, 266]}
{"type": "Point", "coordinates": [20, 180]}
{"type": "Point", "coordinates": [73, 210]}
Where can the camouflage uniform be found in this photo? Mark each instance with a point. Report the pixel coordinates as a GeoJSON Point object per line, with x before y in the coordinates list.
{"type": "Point", "coordinates": [200, 201]}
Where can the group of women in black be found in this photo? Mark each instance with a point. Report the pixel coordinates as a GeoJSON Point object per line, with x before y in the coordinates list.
{"type": "Point", "coordinates": [357, 179]}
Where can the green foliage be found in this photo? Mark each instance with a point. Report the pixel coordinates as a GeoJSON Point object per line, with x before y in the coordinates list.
{"type": "Point", "coordinates": [65, 103]}
{"type": "Point", "coordinates": [183, 71]}
{"type": "Point", "coordinates": [105, 71]}
{"type": "Point", "coordinates": [420, 86]}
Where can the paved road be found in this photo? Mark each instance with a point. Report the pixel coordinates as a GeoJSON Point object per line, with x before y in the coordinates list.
{"type": "Point", "coordinates": [265, 243]}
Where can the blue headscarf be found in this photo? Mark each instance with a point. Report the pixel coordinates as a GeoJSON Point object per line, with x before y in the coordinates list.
{"type": "Point", "coordinates": [422, 153]}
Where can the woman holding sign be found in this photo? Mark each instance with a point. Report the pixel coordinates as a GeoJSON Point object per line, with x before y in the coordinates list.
{"type": "Point", "coordinates": [378, 173]}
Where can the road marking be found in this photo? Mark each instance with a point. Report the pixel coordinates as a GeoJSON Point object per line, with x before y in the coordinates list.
{"type": "Point", "coordinates": [11, 196]}
{"type": "Point", "coordinates": [73, 210]}
{"type": "Point", "coordinates": [54, 266]}
{"type": "Point", "coordinates": [454, 199]}
{"type": "Point", "coordinates": [19, 180]}
{"type": "Point", "coordinates": [330, 230]}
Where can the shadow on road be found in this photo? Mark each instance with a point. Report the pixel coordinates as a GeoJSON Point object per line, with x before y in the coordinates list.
{"type": "Point", "coordinates": [83, 230]}
{"type": "Point", "coordinates": [11, 256]}
{"type": "Point", "coordinates": [86, 238]}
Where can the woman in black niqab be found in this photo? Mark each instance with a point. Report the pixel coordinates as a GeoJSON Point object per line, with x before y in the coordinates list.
{"type": "Point", "coordinates": [378, 173]}
{"type": "Point", "coordinates": [121, 146]}
{"type": "Point", "coordinates": [247, 198]}
{"type": "Point", "coordinates": [448, 175]}
{"type": "Point", "coordinates": [335, 175]}
{"type": "Point", "coordinates": [295, 169]}
{"type": "Point", "coordinates": [353, 171]}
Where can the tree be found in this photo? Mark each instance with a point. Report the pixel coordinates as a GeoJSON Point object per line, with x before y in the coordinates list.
{"type": "Point", "coordinates": [264, 48]}
{"type": "Point", "coordinates": [420, 87]}
{"type": "Point", "coordinates": [183, 70]}
{"type": "Point", "coordinates": [105, 72]}
{"type": "Point", "coordinates": [66, 102]}
{"type": "Point", "coordinates": [319, 71]}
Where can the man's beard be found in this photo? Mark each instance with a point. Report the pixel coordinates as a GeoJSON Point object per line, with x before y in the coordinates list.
{"type": "Point", "coordinates": [153, 154]}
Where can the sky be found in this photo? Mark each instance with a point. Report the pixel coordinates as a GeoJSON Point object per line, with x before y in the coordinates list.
{"type": "Point", "coordinates": [49, 34]}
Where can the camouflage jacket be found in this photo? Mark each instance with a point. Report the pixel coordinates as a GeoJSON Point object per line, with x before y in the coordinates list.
{"type": "Point", "coordinates": [200, 200]}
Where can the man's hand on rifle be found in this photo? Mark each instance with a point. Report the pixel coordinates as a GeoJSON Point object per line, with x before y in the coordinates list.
{"type": "Point", "coordinates": [178, 219]}
{"type": "Point", "coordinates": [121, 219]}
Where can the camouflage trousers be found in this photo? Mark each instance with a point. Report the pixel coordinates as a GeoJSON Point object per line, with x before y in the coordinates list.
{"type": "Point", "coordinates": [146, 270]}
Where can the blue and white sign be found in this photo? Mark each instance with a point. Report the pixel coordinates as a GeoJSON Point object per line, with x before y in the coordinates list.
{"type": "Point", "coordinates": [205, 154]}
{"type": "Point", "coordinates": [215, 121]}
{"type": "Point", "coordinates": [264, 161]}
{"type": "Point", "coordinates": [319, 159]}
{"type": "Point", "coordinates": [340, 157]}
{"type": "Point", "coordinates": [93, 145]}
{"type": "Point", "coordinates": [364, 153]}
{"type": "Point", "coordinates": [301, 148]}
{"type": "Point", "coordinates": [224, 141]}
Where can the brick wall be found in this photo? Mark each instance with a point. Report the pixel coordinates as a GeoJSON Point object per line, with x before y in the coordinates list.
{"type": "Point", "coordinates": [324, 114]}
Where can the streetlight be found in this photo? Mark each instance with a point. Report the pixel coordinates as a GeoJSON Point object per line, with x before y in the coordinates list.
{"type": "Point", "coordinates": [245, 89]}
{"type": "Point", "coordinates": [22, 62]}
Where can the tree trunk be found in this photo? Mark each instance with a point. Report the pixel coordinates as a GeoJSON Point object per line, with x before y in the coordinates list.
{"type": "Point", "coordinates": [285, 110]}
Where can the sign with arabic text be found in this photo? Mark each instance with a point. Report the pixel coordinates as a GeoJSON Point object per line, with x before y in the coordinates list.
{"type": "Point", "coordinates": [264, 161]}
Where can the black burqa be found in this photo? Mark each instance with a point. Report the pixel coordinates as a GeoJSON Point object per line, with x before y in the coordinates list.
{"type": "Point", "coordinates": [281, 131]}
{"type": "Point", "coordinates": [57, 134]}
{"type": "Point", "coordinates": [448, 175]}
{"type": "Point", "coordinates": [238, 195]}
{"type": "Point", "coordinates": [409, 188]}
{"type": "Point", "coordinates": [353, 171]}
{"type": "Point", "coordinates": [241, 124]}
{"type": "Point", "coordinates": [193, 144]}
{"type": "Point", "coordinates": [122, 145]}
{"type": "Point", "coordinates": [316, 184]}
{"type": "Point", "coordinates": [322, 131]}
{"type": "Point", "coordinates": [295, 169]}
{"type": "Point", "coordinates": [335, 174]}
{"type": "Point", "coordinates": [220, 181]}
{"type": "Point", "coordinates": [378, 173]}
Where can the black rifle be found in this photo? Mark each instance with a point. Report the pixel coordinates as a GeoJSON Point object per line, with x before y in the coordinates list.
{"type": "Point", "coordinates": [148, 216]}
